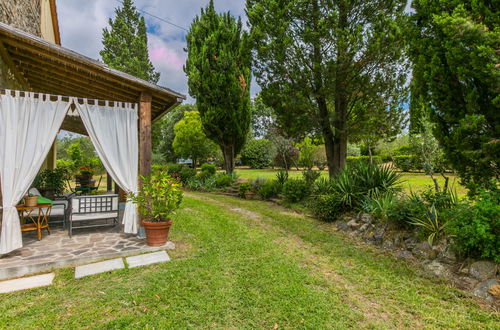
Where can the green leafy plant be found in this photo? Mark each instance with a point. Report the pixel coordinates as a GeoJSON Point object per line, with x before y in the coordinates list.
{"type": "Point", "coordinates": [310, 176]}
{"type": "Point", "coordinates": [244, 188]}
{"type": "Point", "coordinates": [323, 186]}
{"type": "Point", "coordinates": [282, 177]}
{"type": "Point", "coordinates": [326, 207]}
{"type": "Point", "coordinates": [269, 189]}
{"type": "Point", "coordinates": [186, 173]}
{"type": "Point", "coordinates": [223, 180]}
{"type": "Point", "coordinates": [52, 180]}
{"type": "Point", "coordinates": [208, 169]}
{"type": "Point", "coordinates": [295, 190]}
{"type": "Point", "coordinates": [475, 226]}
{"type": "Point", "coordinates": [380, 205]}
{"type": "Point", "coordinates": [257, 153]}
{"type": "Point", "coordinates": [372, 179]}
{"type": "Point", "coordinates": [159, 196]}
{"type": "Point", "coordinates": [431, 224]}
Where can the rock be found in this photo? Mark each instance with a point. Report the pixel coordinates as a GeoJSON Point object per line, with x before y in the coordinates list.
{"type": "Point", "coordinates": [341, 225]}
{"type": "Point", "coordinates": [353, 224]}
{"type": "Point", "coordinates": [424, 250]}
{"type": "Point", "coordinates": [466, 281]}
{"type": "Point", "coordinates": [448, 255]}
{"type": "Point", "coordinates": [377, 237]}
{"type": "Point", "coordinates": [438, 269]}
{"type": "Point", "coordinates": [366, 218]}
{"type": "Point", "coordinates": [483, 270]}
{"type": "Point", "coordinates": [387, 244]}
{"type": "Point", "coordinates": [483, 288]}
{"type": "Point", "coordinates": [364, 227]}
{"type": "Point", "coordinates": [404, 255]}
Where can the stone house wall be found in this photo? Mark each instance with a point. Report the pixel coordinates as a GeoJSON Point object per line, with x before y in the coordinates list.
{"type": "Point", "coordinates": [24, 15]}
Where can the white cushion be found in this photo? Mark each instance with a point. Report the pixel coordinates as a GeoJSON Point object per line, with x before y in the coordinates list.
{"type": "Point", "coordinates": [94, 216]}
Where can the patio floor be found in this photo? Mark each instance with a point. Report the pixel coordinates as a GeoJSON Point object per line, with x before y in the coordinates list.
{"type": "Point", "coordinates": [58, 250]}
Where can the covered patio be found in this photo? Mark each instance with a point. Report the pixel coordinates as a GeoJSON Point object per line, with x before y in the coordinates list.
{"type": "Point", "coordinates": [51, 71]}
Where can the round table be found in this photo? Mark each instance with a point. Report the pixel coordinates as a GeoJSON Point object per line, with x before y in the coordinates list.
{"type": "Point", "coordinates": [39, 220]}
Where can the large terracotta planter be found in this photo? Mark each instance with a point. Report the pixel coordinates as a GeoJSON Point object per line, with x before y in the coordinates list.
{"type": "Point", "coordinates": [157, 232]}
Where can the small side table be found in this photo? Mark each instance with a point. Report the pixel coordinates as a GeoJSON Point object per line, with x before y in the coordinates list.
{"type": "Point", "coordinates": [39, 220]}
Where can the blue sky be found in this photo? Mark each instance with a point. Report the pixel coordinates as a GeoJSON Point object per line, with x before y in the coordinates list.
{"type": "Point", "coordinates": [81, 24]}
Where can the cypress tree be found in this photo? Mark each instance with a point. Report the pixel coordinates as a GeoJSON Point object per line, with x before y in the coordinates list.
{"type": "Point", "coordinates": [218, 69]}
{"type": "Point", "coordinates": [126, 44]}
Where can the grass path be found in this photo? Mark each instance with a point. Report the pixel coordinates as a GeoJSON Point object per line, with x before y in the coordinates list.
{"type": "Point", "coordinates": [249, 264]}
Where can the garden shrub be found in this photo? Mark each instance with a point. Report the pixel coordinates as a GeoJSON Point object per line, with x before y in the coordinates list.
{"type": "Point", "coordinates": [295, 190]}
{"type": "Point", "coordinates": [407, 163]}
{"type": "Point", "coordinates": [380, 205]}
{"type": "Point", "coordinates": [353, 160]}
{"type": "Point", "coordinates": [201, 184]}
{"type": "Point", "coordinates": [257, 153]}
{"type": "Point", "coordinates": [223, 180]}
{"type": "Point", "coordinates": [404, 209]}
{"type": "Point", "coordinates": [257, 183]}
{"type": "Point", "coordinates": [310, 176]}
{"type": "Point", "coordinates": [323, 186]}
{"type": "Point", "coordinates": [475, 227]}
{"type": "Point", "coordinates": [326, 207]}
{"type": "Point", "coordinates": [186, 173]}
{"type": "Point", "coordinates": [244, 188]}
{"type": "Point", "coordinates": [269, 189]}
{"type": "Point", "coordinates": [208, 169]}
{"type": "Point", "coordinates": [282, 177]}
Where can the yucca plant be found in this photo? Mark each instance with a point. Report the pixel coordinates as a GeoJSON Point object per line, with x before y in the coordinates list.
{"type": "Point", "coordinates": [374, 179]}
{"type": "Point", "coordinates": [281, 177]}
{"type": "Point", "coordinates": [379, 205]}
{"type": "Point", "coordinates": [345, 186]}
{"type": "Point", "coordinates": [430, 223]}
{"type": "Point", "coordinates": [323, 186]}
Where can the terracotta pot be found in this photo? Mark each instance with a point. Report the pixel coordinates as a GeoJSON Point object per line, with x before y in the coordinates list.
{"type": "Point", "coordinates": [157, 232]}
{"type": "Point", "coordinates": [31, 201]}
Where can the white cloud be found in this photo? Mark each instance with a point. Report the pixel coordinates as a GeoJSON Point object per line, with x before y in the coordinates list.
{"type": "Point", "coordinates": [81, 24]}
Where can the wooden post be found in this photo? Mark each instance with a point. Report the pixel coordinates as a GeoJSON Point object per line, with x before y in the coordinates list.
{"type": "Point", "coordinates": [109, 182]}
{"type": "Point", "coordinates": [145, 149]}
{"type": "Point", "coordinates": [145, 134]}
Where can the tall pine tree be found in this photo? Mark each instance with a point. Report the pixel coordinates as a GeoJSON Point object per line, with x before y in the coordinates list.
{"type": "Point", "coordinates": [126, 44]}
{"type": "Point", "coordinates": [218, 69]}
{"type": "Point", "coordinates": [455, 51]}
{"type": "Point", "coordinates": [321, 62]}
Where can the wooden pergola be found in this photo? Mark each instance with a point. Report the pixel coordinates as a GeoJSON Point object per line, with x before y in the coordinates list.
{"type": "Point", "coordinates": [41, 66]}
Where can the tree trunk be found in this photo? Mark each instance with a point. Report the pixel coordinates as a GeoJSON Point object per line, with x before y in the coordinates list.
{"type": "Point", "coordinates": [324, 116]}
{"type": "Point", "coordinates": [340, 95]}
{"type": "Point", "coordinates": [228, 152]}
{"type": "Point", "coordinates": [370, 154]}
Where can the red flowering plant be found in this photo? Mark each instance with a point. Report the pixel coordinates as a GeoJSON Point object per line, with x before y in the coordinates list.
{"type": "Point", "coordinates": [86, 171]}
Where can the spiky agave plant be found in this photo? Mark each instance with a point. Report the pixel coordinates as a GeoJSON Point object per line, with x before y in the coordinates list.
{"type": "Point", "coordinates": [430, 223]}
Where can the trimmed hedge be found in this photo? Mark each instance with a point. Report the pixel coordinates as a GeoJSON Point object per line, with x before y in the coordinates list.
{"type": "Point", "coordinates": [351, 160]}
{"type": "Point", "coordinates": [407, 163]}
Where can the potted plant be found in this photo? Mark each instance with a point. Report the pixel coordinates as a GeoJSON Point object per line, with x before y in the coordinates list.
{"type": "Point", "coordinates": [245, 190]}
{"type": "Point", "coordinates": [85, 177]}
{"type": "Point", "coordinates": [159, 196]}
{"type": "Point", "coordinates": [51, 183]}
{"type": "Point", "coordinates": [30, 200]}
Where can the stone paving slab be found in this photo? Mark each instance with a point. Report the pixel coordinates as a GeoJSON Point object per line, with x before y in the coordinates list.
{"type": "Point", "coordinates": [26, 283]}
{"type": "Point", "coordinates": [99, 267]}
{"type": "Point", "coordinates": [147, 259]}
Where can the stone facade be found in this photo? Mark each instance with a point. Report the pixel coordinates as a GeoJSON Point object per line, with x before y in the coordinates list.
{"type": "Point", "coordinates": [22, 14]}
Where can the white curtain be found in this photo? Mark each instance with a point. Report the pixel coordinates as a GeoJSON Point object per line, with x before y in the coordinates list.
{"type": "Point", "coordinates": [113, 131]}
{"type": "Point", "coordinates": [28, 127]}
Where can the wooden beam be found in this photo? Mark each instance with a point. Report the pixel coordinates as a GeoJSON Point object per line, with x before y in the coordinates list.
{"type": "Point", "coordinates": [13, 68]}
{"type": "Point", "coordinates": [145, 148]}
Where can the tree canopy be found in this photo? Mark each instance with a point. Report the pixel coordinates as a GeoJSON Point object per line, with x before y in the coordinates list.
{"type": "Point", "coordinates": [126, 44]}
{"type": "Point", "coordinates": [318, 62]}
{"type": "Point", "coordinates": [190, 141]}
{"type": "Point", "coordinates": [454, 48]}
{"type": "Point", "coordinates": [219, 75]}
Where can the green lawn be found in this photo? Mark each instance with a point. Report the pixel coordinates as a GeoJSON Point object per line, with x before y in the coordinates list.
{"type": "Point", "coordinates": [250, 264]}
{"type": "Point", "coordinates": [410, 181]}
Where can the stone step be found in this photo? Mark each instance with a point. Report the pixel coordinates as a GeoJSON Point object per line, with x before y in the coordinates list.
{"type": "Point", "coordinates": [147, 259]}
{"type": "Point", "coordinates": [99, 267]}
{"type": "Point", "coordinates": [26, 283]}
